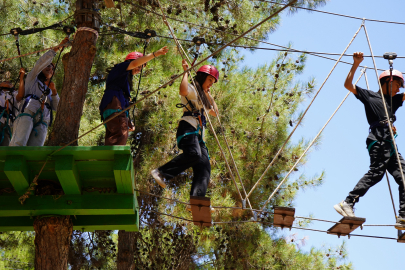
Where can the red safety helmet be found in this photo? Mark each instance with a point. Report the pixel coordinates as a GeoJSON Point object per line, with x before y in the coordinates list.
{"type": "Point", "coordinates": [395, 73]}
{"type": "Point", "coordinates": [211, 70]}
{"type": "Point", "coordinates": [133, 56]}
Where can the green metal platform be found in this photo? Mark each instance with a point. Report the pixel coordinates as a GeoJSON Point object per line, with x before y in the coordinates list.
{"type": "Point", "coordinates": [97, 183]}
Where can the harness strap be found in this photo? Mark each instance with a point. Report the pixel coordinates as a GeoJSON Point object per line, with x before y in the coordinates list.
{"type": "Point", "coordinates": [48, 106]}
{"type": "Point", "coordinates": [390, 141]}
{"type": "Point", "coordinates": [107, 113]}
{"type": "Point", "coordinates": [40, 122]}
{"type": "Point", "coordinates": [197, 132]}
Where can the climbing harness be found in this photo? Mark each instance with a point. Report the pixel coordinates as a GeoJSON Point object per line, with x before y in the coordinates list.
{"type": "Point", "coordinates": [38, 112]}
{"type": "Point", "coordinates": [107, 113]}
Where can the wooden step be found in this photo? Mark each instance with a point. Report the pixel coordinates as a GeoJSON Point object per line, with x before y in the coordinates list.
{"type": "Point", "coordinates": [346, 225]}
{"type": "Point", "coordinates": [201, 210]}
{"type": "Point", "coordinates": [283, 216]}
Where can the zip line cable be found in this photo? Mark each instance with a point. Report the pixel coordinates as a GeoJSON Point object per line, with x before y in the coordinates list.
{"type": "Point", "coordinates": [256, 210]}
{"type": "Point", "coordinates": [386, 110]}
{"type": "Point", "coordinates": [270, 223]}
{"type": "Point", "coordinates": [335, 14]}
{"type": "Point", "coordinates": [304, 113]}
{"type": "Point", "coordinates": [233, 34]}
{"type": "Point", "coordinates": [309, 146]}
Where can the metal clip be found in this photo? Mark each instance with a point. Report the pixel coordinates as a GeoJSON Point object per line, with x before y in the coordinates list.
{"type": "Point", "coordinates": [243, 204]}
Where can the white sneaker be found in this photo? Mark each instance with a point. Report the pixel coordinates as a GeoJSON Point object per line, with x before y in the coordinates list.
{"type": "Point", "coordinates": [158, 177]}
{"type": "Point", "coordinates": [344, 209]}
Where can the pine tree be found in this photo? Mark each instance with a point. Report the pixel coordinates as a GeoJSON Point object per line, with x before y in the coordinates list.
{"type": "Point", "coordinates": [257, 108]}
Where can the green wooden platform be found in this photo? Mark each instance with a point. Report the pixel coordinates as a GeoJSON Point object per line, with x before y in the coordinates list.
{"type": "Point", "coordinates": [97, 182]}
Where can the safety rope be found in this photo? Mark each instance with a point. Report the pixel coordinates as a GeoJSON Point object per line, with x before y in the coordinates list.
{"type": "Point", "coordinates": [26, 54]}
{"type": "Point", "coordinates": [303, 114]}
{"type": "Point", "coordinates": [88, 29]}
{"type": "Point", "coordinates": [386, 110]}
{"type": "Point", "coordinates": [310, 145]}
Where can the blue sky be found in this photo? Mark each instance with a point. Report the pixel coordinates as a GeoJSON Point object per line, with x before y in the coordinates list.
{"type": "Point", "coordinates": [342, 153]}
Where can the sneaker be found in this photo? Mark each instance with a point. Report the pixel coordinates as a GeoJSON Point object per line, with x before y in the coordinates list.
{"type": "Point", "coordinates": [400, 225]}
{"type": "Point", "coordinates": [344, 209]}
{"type": "Point", "coordinates": [188, 208]}
{"type": "Point", "coordinates": [158, 177]}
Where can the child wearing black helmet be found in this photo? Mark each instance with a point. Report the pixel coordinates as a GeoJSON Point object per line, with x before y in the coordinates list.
{"type": "Point", "coordinates": [190, 132]}
{"type": "Point", "coordinates": [379, 141]}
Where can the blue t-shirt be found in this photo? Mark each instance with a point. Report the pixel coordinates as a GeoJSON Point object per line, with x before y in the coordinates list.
{"type": "Point", "coordinates": [117, 84]}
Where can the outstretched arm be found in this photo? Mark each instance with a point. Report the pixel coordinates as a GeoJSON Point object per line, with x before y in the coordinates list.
{"type": "Point", "coordinates": [146, 58]}
{"type": "Point", "coordinates": [214, 110]}
{"type": "Point", "coordinates": [357, 59]}
{"type": "Point", "coordinates": [21, 88]}
{"type": "Point", "coordinates": [184, 82]}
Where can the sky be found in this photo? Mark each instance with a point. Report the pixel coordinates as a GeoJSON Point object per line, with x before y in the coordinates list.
{"type": "Point", "coordinates": [342, 153]}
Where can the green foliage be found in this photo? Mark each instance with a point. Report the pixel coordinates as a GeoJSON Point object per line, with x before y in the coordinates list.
{"type": "Point", "coordinates": [257, 106]}
{"type": "Point", "coordinates": [17, 250]}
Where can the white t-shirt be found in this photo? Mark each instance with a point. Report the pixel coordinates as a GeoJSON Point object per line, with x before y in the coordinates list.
{"type": "Point", "coordinates": [5, 95]}
{"type": "Point", "coordinates": [192, 96]}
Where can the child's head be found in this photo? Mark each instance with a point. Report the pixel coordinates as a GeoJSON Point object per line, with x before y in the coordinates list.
{"type": "Point", "coordinates": [207, 75]}
{"type": "Point", "coordinates": [398, 81]}
{"type": "Point", "coordinates": [6, 86]}
{"type": "Point", "coordinates": [131, 57]}
{"type": "Point", "coordinates": [47, 72]}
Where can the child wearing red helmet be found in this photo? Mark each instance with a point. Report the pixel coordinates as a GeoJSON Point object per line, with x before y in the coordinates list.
{"type": "Point", "coordinates": [190, 132]}
{"type": "Point", "coordinates": [117, 96]}
{"type": "Point", "coordinates": [379, 142]}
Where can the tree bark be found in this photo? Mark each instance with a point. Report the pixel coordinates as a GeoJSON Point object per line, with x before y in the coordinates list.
{"type": "Point", "coordinates": [75, 84]}
{"type": "Point", "coordinates": [126, 250]}
{"type": "Point", "coordinates": [52, 239]}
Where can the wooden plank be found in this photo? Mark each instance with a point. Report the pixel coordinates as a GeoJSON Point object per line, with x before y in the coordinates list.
{"type": "Point", "coordinates": [123, 174]}
{"type": "Point", "coordinates": [99, 204]}
{"type": "Point", "coordinates": [78, 152]}
{"type": "Point", "coordinates": [109, 3]}
{"type": "Point", "coordinates": [82, 223]}
{"type": "Point", "coordinates": [201, 210]}
{"type": "Point", "coordinates": [68, 175]}
{"type": "Point", "coordinates": [346, 225]}
{"type": "Point", "coordinates": [283, 216]}
{"type": "Point", "coordinates": [16, 170]}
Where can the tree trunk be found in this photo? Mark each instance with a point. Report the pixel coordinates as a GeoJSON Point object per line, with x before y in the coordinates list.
{"type": "Point", "coordinates": [52, 239]}
{"type": "Point", "coordinates": [53, 234]}
{"type": "Point", "coordinates": [126, 250]}
{"type": "Point", "coordinates": [75, 83]}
